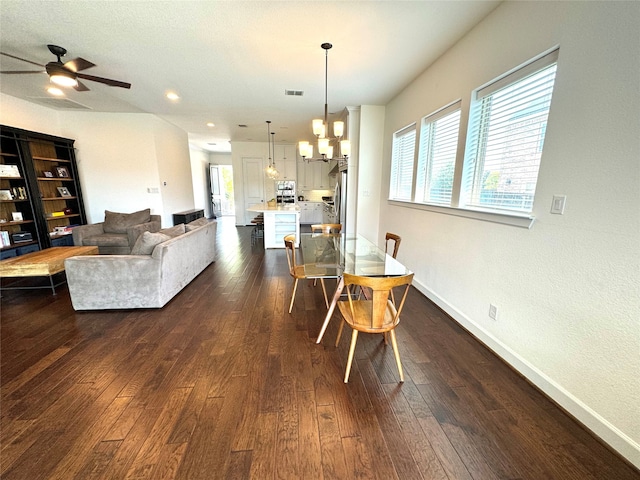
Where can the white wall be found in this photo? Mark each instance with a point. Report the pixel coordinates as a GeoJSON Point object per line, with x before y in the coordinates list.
{"type": "Point", "coordinates": [368, 171]}
{"type": "Point", "coordinates": [119, 157]}
{"type": "Point", "coordinates": [116, 161]}
{"type": "Point", "coordinates": [567, 289]}
{"type": "Point", "coordinates": [174, 169]}
{"type": "Point", "coordinates": [28, 116]}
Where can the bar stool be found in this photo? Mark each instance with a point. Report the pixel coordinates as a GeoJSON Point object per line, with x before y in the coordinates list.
{"type": "Point", "coordinates": [258, 229]}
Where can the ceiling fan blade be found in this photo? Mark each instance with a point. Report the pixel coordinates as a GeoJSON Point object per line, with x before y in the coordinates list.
{"type": "Point", "coordinates": [81, 87]}
{"type": "Point", "coordinates": [78, 64]}
{"type": "Point", "coordinates": [21, 72]}
{"type": "Point", "coordinates": [106, 81]}
{"type": "Point", "coordinates": [21, 59]}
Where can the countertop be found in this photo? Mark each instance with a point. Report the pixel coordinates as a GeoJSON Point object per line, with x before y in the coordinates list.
{"type": "Point", "coordinates": [263, 207]}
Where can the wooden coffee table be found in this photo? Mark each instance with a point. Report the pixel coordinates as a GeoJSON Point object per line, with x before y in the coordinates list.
{"type": "Point", "coordinates": [44, 263]}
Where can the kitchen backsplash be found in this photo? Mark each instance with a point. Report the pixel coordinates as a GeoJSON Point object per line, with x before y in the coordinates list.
{"type": "Point", "coordinates": [315, 195]}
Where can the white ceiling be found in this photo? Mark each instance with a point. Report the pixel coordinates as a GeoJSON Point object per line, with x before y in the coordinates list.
{"type": "Point", "coordinates": [231, 61]}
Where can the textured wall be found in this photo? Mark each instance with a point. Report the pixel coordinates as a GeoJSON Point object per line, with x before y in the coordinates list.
{"type": "Point", "coordinates": [568, 288]}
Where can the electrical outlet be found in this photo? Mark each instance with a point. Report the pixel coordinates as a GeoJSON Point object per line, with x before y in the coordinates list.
{"type": "Point", "coordinates": [493, 311]}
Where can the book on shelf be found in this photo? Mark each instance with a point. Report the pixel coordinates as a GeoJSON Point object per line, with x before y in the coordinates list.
{"type": "Point", "coordinates": [9, 171]}
{"type": "Point", "coordinates": [4, 238]}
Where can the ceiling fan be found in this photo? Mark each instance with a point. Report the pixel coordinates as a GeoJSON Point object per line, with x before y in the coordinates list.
{"type": "Point", "coordinates": [66, 74]}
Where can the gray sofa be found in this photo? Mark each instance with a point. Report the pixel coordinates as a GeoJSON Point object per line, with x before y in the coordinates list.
{"type": "Point", "coordinates": [118, 233]}
{"type": "Point", "coordinates": [103, 282]}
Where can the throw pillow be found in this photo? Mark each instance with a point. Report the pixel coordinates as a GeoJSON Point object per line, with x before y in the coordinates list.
{"type": "Point", "coordinates": [199, 222]}
{"type": "Point", "coordinates": [147, 242]}
{"type": "Point", "coordinates": [115, 222]}
{"type": "Point", "coordinates": [174, 231]}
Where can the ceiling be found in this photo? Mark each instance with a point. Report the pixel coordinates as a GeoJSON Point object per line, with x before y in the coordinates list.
{"type": "Point", "coordinates": [231, 61]}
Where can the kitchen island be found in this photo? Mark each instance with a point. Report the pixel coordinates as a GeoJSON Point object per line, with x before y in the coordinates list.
{"type": "Point", "coordinates": [279, 221]}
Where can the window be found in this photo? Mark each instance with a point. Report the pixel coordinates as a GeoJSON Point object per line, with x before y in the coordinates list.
{"type": "Point", "coordinates": [437, 157]}
{"type": "Point", "coordinates": [404, 144]}
{"type": "Point", "coordinates": [507, 123]}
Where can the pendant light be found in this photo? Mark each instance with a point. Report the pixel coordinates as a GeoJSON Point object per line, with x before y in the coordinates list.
{"type": "Point", "coordinates": [272, 171]}
{"type": "Point", "coordinates": [320, 128]}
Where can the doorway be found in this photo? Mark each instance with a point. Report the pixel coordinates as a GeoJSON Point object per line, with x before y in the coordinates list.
{"type": "Point", "coordinates": [221, 189]}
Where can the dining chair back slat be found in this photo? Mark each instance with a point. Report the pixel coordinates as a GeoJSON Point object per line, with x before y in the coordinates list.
{"type": "Point", "coordinates": [326, 228]}
{"type": "Point", "coordinates": [379, 314]}
{"type": "Point", "coordinates": [297, 271]}
{"type": "Point", "coordinates": [396, 239]}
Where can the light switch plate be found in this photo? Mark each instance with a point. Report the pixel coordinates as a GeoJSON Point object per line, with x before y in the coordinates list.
{"type": "Point", "coordinates": [558, 203]}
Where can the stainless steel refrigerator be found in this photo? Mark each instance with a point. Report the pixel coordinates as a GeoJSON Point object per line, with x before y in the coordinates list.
{"type": "Point", "coordinates": [340, 198]}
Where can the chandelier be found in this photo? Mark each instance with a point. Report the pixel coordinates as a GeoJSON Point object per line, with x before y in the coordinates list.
{"type": "Point", "coordinates": [321, 129]}
{"type": "Point", "coordinates": [272, 171]}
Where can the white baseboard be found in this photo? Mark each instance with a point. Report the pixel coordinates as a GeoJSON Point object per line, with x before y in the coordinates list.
{"type": "Point", "coordinates": [607, 432]}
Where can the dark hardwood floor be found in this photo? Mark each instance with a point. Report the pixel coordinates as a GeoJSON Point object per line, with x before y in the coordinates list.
{"type": "Point", "coordinates": [222, 383]}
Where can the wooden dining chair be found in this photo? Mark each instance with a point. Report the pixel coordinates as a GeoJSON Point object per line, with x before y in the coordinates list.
{"type": "Point", "coordinates": [326, 228]}
{"type": "Point", "coordinates": [297, 271]}
{"type": "Point", "coordinates": [376, 315]}
{"type": "Point", "coordinates": [396, 243]}
{"type": "Point", "coordinates": [396, 239]}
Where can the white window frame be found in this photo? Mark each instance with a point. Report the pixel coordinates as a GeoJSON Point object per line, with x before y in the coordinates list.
{"type": "Point", "coordinates": [438, 149]}
{"type": "Point", "coordinates": [402, 164]}
{"type": "Point", "coordinates": [460, 204]}
{"type": "Point", "coordinates": [485, 138]}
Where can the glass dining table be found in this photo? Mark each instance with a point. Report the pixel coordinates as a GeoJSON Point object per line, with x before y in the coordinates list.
{"type": "Point", "coordinates": [331, 255]}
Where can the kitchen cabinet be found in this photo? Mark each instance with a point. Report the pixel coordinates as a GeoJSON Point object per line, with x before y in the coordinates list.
{"type": "Point", "coordinates": [311, 212]}
{"type": "Point", "coordinates": [315, 176]}
{"type": "Point", "coordinates": [287, 167]}
{"type": "Point", "coordinates": [41, 197]}
{"type": "Point", "coordinates": [305, 177]}
{"type": "Point", "coordinates": [278, 224]}
{"type": "Point", "coordinates": [322, 180]}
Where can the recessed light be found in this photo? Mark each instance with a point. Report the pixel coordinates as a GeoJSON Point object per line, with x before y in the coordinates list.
{"type": "Point", "coordinates": [55, 91]}
{"type": "Point", "coordinates": [172, 96]}
{"type": "Point", "coordinates": [211, 124]}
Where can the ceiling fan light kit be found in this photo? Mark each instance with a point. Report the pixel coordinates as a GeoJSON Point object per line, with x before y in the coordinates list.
{"type": "Point", "coordinates": [320, 128]}
{"type": "Point", "coordinates": [60, 76]}
{"type": "Point", "coordinates": [66, 74]}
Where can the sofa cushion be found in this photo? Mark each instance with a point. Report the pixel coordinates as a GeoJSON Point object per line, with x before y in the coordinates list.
{"type": "Point", "coordinates": [107, 240]}
{"type": "Point", "coordinates": [115, 222]}
{"type": "Point", "coordinates": [147, 242]}
{"type": "Point", "coordinates": [197, 223]}
{"type": "Point", "coordinates": [174, 231]}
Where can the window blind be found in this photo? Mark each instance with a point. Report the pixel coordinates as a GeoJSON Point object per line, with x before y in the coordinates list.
{"type": "Point", "coordinates": [509, 120]}
{"type": "Point", "coordinates": [437, 158]}
{"type": "Point", "coordinates": [402, 158]}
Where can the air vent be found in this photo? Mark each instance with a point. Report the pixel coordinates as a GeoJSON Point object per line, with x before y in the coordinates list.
{"type": "Point", "coordinates": [294, 93]}
{"type": "Point", "coordinates": [61, 103]}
